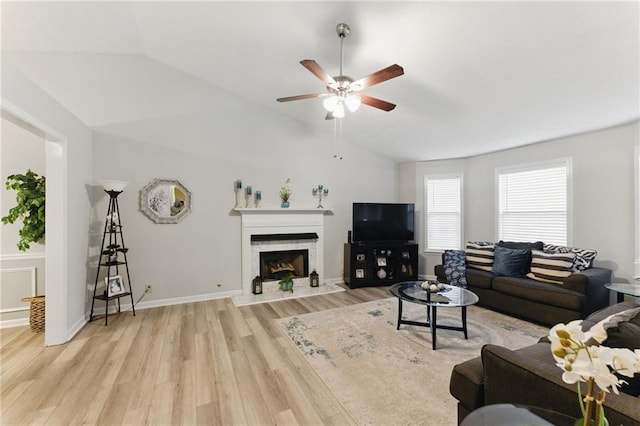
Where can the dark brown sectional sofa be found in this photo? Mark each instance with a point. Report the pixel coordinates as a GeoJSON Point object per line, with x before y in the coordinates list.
{"type": "Point", "coordinates": [579, 295]}
{"type": "Point", "coordinates": [529, 376]}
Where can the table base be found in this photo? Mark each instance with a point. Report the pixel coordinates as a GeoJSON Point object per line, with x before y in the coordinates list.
{"type": "Point", "coordinates": [432, 322]}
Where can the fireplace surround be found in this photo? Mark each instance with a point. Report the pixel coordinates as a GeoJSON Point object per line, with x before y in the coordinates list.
{"type": "Point", "coordinates": [279, 229]}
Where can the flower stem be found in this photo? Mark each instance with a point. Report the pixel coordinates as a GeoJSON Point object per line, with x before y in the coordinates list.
{"type": "Point", "coordinates": [588, 399]}
{"type": "Point", "coordinates": [600, 418]}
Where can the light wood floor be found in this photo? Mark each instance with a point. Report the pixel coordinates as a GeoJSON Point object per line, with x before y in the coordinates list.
{"type": "Point", "coordinates": [199, 363]}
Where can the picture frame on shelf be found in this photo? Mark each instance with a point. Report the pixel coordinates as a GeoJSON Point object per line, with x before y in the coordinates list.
{"type": "Point", "coordinates": [115, 285]}
{"type": "Point", "coordinates": [360, 273]}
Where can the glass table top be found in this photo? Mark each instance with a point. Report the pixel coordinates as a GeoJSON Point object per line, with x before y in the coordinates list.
{"type": "Point", "coordinates": [630, 289]}
{"type": "Point", "coordinates": [449, 296]}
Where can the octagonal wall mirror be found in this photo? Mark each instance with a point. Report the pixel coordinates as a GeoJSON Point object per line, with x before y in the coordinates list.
{"type": "Point", "coordinates": [165, 201]}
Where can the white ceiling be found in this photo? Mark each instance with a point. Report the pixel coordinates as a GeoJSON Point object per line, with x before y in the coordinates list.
{"type": "Point", "coordinates": [479, 76]}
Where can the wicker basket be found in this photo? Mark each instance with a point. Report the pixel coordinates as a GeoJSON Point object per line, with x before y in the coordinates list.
{"type": "Point", "coordinates": [36, 313]}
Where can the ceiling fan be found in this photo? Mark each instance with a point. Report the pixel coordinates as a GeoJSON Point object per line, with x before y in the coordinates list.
{"type": "Point", "coordinates": [343, 90]}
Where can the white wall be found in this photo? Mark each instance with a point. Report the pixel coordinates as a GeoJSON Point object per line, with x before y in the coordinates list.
{"type": "Point", "coordinates": [20, 150]}
{"type": "Point", "coordinates": [21, 273]}
{"type": "Point", "coordinates": [68, 170]}
{"type": "Point", "coordinates": [603, 192]}
{"type": "Point", "coordinates": [207, 154]}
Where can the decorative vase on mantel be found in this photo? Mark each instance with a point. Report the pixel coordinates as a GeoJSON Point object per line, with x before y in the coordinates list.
{"type": "Point", "coordinates": [285, 194]}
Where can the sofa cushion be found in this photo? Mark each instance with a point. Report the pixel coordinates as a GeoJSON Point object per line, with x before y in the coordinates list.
{"type": "Point", "coordinates": [584, 257]}
{"type": "Point", "coordinates": [551, 267]}
{"type": "Point", "coordinates": [455, 265]}
{"type": "Point", "coordinates": [480, 255]}
{"type": "Point", "coordinates": [536, 291]}
{"type": "Point", "coordinates": [479, 278]}
{"type": "Point", "coordinates": [510, 262]}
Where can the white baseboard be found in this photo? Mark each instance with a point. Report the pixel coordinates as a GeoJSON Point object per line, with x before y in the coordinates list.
{"type": "Point", "coordinates": [76, 328]}
{"type": "Point", "coordinates": [20, 322]}
{"type": "Point", "coordinates": [187, 299]}
{"type": "Point", "coordinates": [334, 281]}
{"type": "Point", "coordinates": [167, 302]}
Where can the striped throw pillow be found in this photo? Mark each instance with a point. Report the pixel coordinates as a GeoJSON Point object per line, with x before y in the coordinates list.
{"type": "Point", "coordinates": [480, 255]}
{"type": "Point", "coordinates": [551, 267]}
{"type": "Point", "coordinates": [584, 257]}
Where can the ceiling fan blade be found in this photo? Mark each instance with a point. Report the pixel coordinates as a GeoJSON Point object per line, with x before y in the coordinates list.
{"type": "Point", "coordinates": [377, 77]}
{"type": "Point", "coordinates": [317, 70]}
{"type": "Point", "coordinates": [300, 97]}
{"type": "Point", "coordinates": [377, 103]}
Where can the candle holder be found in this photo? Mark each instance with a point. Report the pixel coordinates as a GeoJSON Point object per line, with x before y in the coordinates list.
{"type": "Point", "coordinates": [314, 279]}
{"type": "Point", "coordinates": [257, 198]}
{"type": "Point", "coordinates": [237, 186]}
{"type": "Point", "coordinates": [320, 191]}
{"type": "Point", "coordinates": [256, 285]}
{"type": "Point", "coordinates": [248, 193]}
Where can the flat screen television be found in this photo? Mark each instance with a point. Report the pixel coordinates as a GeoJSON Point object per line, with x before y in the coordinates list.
{"type": "Point", "coordinates": [378, 222]}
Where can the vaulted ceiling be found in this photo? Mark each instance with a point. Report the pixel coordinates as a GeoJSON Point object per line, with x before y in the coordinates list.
{"type": "Point", "coordinates": [479, 76]}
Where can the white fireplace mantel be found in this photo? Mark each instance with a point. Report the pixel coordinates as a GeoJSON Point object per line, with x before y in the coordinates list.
{"type": "Point", "coordinates": [261, 221]}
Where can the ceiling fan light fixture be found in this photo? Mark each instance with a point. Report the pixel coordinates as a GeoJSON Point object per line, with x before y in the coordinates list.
{"type": "Point", "coordinates": [331, 103]}
{"type": "Point", "coordinates": [339, 111]}
{"type": "Point", "coordinates": [353, 102]}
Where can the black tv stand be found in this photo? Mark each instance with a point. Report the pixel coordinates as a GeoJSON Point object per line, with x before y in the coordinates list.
{"type": "Point", "coordinates": [380, 263]}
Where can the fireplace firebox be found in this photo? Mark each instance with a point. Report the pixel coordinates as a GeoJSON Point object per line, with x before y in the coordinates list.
{"type": "Point", "coordinates": [274, 265]}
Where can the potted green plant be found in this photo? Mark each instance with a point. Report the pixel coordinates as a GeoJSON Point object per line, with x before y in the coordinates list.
{"type": "Point", "coordinates": [286, 283]}
{"type": "Point", "coordinates": [30, 207]}
{"type": "Point", "coordinates": [285, 193]}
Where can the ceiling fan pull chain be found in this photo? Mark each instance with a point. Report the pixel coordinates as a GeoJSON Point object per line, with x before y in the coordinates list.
{"type": "Point", "coordinates": [341, 52]}
{"type": "Point", "coordinates": [337, 139]}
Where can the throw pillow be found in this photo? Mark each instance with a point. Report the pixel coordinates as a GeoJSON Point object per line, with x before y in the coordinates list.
{"type": "Point", "coordinates": [621, 330]}
{"type": "Point", "coordinates": [584, 257]}
{"type": "Point", "coordinates": [455, 262]}
{"type": "Point", "coordinates": [510, 262]}
{"type": "Point", "coordinates": [538, 245]}
{"type": "Point", "coordinates": [551, 267]}
{"type": "Point", "coordinates": [480, 255]}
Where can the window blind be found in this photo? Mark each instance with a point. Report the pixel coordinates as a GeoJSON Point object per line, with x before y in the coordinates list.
{"type": "Point", "coordinates": [444, 212]}
{"type": "Point", "coordinates": [533, 204]}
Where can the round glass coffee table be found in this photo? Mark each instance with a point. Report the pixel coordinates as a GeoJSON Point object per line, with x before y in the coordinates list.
{"type": "Point", "coordinates": [448, 297]}
{"type": "Point", "coordinates": [624, 288]}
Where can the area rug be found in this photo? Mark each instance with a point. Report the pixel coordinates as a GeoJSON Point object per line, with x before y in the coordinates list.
{"type": "Point", "coordinates": [385, 376]}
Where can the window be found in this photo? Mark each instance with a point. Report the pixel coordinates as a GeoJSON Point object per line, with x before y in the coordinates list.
{"type": "Point", "coordinates": [533, 203]}
{"type": "Point", "coordinates": [443, 204]}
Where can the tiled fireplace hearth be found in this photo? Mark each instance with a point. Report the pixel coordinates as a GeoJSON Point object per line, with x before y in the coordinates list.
{"type": "Point", "coordinates": [268, 231]}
